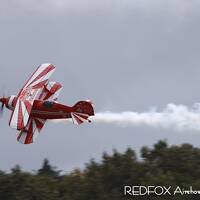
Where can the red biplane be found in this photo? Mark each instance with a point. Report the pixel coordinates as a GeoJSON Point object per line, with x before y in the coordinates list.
{"type": "Point", "coordinates": [37, 102]}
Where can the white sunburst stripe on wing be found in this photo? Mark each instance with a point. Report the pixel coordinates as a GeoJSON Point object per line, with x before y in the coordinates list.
{"type": "Point", "coordinates": [20, 115]}
{"type": "Point", "coordinates": [45, 74]}
{"type": "Point", "coordinates": [41, 79]}
{"type": "Point", "coordinates": [41, 93]}
{"type": "Point", "coordinates": [28, 126]}
{"type": "Point", "coordinates": [31, 132]}
{"type": "Point", "coordinates": [54, 89]}
{"type": "Point", "coordinates": [41, 125]}
{"type": "Point", "coordinates": [25, 113]}
{"type": "Point", "coordinates": [50, 85]}
{"type": "Point", "coordinates": [55, 95]}
{"type": "Point", "coordinates": [26, 137]}
{"type": "Point", "coordinates": [15, 115]}
{"type": "Point", "coordinates": [35, 131]}
{"type": "Point", "coordinates": [39, 70]}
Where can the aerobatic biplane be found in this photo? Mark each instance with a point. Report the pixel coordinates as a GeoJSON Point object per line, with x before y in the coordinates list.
{"type": "Point", "coordinates": [37, 102]}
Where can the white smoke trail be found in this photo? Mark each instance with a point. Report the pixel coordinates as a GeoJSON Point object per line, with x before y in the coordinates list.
{"type": "Point", "coordinates": [178, 117]}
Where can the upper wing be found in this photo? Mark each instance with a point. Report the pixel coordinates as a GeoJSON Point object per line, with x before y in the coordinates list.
{"type": "Point", "coordinates": [27, 95]}
{"type": "Point", "coordinates": [40, 76]}
{"type": "Point", "coordinates": [31, 131]}
{"type": "Point", "coordinates": [51, 91]}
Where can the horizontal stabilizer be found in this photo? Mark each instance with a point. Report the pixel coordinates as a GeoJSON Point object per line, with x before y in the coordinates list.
{"type": "Point", "coordinates": [79, 118]}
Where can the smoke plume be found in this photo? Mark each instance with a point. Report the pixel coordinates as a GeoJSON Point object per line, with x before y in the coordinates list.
{"type": "Point", "coordinates": [178, 117]}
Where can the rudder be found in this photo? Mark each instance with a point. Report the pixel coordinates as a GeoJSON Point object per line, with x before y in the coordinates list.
{"type": "Point", "coordinates": [82, 111]}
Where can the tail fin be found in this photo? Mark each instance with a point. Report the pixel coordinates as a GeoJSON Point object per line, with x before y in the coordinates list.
{"type": "Point", "coordinates": [82, 111]}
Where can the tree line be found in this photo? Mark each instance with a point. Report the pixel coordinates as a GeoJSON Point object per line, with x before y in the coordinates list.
{"type": "Point", "coordinates": [161, 165]}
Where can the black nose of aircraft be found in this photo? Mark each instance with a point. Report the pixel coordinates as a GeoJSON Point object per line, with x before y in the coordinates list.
{"type": "Point", "coordinates": [3, 103]}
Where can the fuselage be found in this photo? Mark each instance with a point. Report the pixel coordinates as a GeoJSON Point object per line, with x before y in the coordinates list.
{"type": "Point", "coordinates": [52, 109]}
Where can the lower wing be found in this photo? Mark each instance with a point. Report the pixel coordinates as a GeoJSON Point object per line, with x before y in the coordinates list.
{"type": "Point", "coordinates": [20, 114]}
{"type": "Point", "coordinates": [27, 95]}
{"type": "Point", "coordinates": [31, 131]}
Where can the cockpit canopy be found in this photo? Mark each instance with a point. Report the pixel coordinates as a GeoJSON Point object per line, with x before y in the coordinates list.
{"type": "Point", "coordinates": [48, 104]}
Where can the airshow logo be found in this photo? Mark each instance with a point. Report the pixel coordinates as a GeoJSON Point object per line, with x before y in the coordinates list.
{"type": "Point", "coordinates": [158, 191]}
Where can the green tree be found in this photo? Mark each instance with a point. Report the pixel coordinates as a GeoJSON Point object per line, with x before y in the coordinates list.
{"type": "Point", "coordinates": [161, 165]}
{"type": "Point", "coordinates": [48, 170]}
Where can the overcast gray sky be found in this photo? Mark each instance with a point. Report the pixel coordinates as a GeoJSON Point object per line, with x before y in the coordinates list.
{"type": "Point", "coordinates": [125, 55]}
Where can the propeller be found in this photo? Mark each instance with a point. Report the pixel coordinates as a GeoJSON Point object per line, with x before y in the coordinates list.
{"type": "Point", "coordinates": [3, 102]}
{"type": "Point", "coordinates": [3, 99]}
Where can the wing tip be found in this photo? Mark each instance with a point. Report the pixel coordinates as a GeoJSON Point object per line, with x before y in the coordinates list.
{"type": "Point", "coordinates": [48, 64]}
